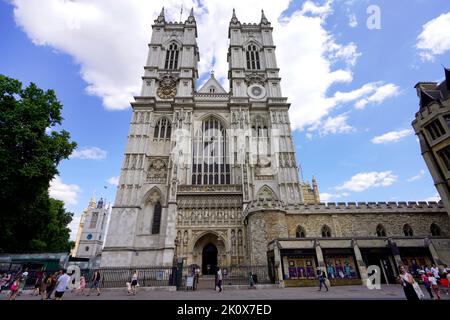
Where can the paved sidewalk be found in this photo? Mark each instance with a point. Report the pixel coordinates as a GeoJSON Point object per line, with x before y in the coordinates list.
{"type": "Point", "coordinates": [391, 292]}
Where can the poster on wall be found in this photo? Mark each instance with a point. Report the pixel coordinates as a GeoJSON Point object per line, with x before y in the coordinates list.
{"type": "Point", "coordinates": [341, 267]}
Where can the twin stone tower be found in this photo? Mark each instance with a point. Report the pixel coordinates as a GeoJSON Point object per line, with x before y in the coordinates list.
{"type": "Point", "coordinates": [195, 160]}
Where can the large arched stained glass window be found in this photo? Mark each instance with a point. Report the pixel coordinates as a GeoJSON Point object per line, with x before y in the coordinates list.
{"type": "Point", "coordinates": [210, 163]}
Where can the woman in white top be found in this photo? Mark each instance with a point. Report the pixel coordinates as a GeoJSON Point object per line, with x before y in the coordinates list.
{"type": "Point", "coordinates": [134, 282]}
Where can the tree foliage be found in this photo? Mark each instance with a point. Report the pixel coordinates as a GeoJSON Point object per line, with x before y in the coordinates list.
{"type": "Point", "coordinates": [30, 151]}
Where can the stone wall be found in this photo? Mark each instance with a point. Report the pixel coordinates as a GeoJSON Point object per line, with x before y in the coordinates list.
{"type": "Point", "coordinates": [275, 220]}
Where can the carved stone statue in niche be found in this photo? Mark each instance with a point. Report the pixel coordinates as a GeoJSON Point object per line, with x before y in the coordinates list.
{"type": "Point", "coordinates": [157, 170]}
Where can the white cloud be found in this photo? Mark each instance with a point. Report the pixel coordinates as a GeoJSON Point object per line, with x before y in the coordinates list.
{"type": "Point", "coordinates": [352, 21]}
{"type": "Point", "coordinates": [328, 197]}
{"type": "Point", "coordinates": [381, 93]}
{"type": "Point", "coordinates": [417, 177]}
{"type": "Point", "coordinates": [434, 38]}
{"type": "Point", "coordinates": [64, 192]}
{"type": "Point", "coordinates": [114, 181]}
{"type": "Point", "coordinates": [366, 180]}
{"type": "Point", "coordinates": [89, 153]}
{"type": "Point", "coordinates": [331, 125]}
{"type": "Point", "coordinates": [392, 136]}
{"type": "Point", "coordinates": [73, 226]}
{"type": "Point", "coordinates": [436, 198]}
{"type": "Point", "coordinates": [108, 39]}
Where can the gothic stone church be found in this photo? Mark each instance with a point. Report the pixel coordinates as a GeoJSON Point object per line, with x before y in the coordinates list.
{"type": "Point", "coordinates": [211, 176]}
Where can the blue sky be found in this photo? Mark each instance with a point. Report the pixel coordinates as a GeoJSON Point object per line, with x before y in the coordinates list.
{"type": "Point", "coordinates": [95, 65]}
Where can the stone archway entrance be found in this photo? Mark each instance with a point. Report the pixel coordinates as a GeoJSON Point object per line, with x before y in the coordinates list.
{"type": "Point", "coordinates": [209, 259]}
{"type": "Point", "coordinates": [209, 250]}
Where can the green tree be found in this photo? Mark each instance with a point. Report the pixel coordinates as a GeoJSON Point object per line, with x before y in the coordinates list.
{"type": "Point", "coordinates": [29, 156]}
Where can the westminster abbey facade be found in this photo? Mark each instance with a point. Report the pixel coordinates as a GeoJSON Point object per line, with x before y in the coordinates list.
{"type": "Point", "coordinates": [211, 176]}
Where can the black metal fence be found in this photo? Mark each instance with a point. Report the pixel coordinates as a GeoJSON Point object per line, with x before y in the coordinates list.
{"type": "Point", "coordinates": [240, 275]}
{"type": "Point", "coordinates": [153, 276]}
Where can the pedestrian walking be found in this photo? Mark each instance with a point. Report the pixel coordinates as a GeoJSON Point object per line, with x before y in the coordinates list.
{"type": "Point", "coordinates": [14, 288]}
{"type": "Point", "coordinates": [95, 283]}
{"type": "Point", "coordinates": [51, 283]}
{"type": "Point", "coordinates": [23, 281]}
{"type": "Point", "coordinates": [73, 280]}
{"type": "Point", "coordinates": [38, 284]}
{"type": "Point", "coordinates": [321, 276]}
{"type": "Point", "coordinates": [426, 282]}
{"type": "Point", "coordinates": [219, 279]}
{"type": "Point", "coordinates": [134, 282]}
{"type": "Point", "coordinates": [407, 282]}
{"type": "Point", "coordinates": [435, 272]}
{"type": "Point", "coordinates": [43, 288]}
{"type": "Point", "coordinates": [82, 284]}
{"type": "Point", "coordinates": [434, 285]}
{"type": "Point", "coordinates": [6, 278]}
{"type": "Point", "coordinates": [251, 281]}
{"type": "Point", "coordinates": [61, 285]}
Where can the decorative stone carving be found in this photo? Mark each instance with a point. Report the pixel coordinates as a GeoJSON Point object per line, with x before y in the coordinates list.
{"type": "Point", "coordinates": [167, 86]}
{"type": "Point", "coordinates": [255, 78]}
{"type": "Point", "coordinates": [157, 170]}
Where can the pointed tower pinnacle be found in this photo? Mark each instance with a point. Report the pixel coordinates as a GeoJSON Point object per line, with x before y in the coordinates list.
{"type": "Point", "coordinates": [447, 77]}
{"type": "Point", "coordinates": [92, 202]}
{"type": "Point", "coordinates": [315, 190]}
{"type": "Point", "coordinates": [191, 17]}
{"type": "Point", "coordinates": [234, 19]}
{"type": "Point", "coordinates": [263, 18]}
{"type": "Point", "coordinates": [161, 18]}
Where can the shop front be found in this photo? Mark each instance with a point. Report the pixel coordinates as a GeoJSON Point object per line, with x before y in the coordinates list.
{"type": "Point", "coordinates": [341, 267]}
{"type": "Point", "coordinates": [299, 267]}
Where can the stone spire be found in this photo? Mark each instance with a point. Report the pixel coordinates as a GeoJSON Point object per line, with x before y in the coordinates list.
{"type": "Point", "coordinates": [161, 18]}
{"type": "Point", "coordinates": [234, 19]}
{"type": "Point", "coordinates": [263, 18]}
{"type": "Point", "coordinates": [92, 202]}
{"type": "Point", "coordinates": [191, 17]}
{"type": "Point", "coordinates": [315, 190]}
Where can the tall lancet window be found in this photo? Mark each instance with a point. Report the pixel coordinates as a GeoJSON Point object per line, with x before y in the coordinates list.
{"type": "Point", "coordinates": [156, 218]}
{"type": "Point", "coordinates": [210, 163]}
{"type": "Point", "coordinates": [172, 57]}
{"type": "Point", "coordinates": [163, 130]}
{"type": "Point", "coordinates": [252, 56]}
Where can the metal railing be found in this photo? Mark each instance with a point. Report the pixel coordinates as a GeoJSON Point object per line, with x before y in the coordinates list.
{"type": "Point", "coordinates": [154, 276]}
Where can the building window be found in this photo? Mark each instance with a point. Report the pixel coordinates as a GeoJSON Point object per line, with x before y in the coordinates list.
{"type": "Point", "coordinates": [326, 231]}
{"type": "Point", "coordinates": [156, 218]}
{"type": "Point", "coordinates": [163, 130]}
{"type": "Point", "coordinates": [407, 230]}
{"type": "Point", "coordinates": [94, 219]}
{"type": "Point", "coordinates": [252, 56]}
{"type": "Point", "coordinates": [435, 129]}
{"type": "Point", "coordinates": [210, 163]}
{"type": "Point", "coordinates": [259, 127]}
{"type": "Point", "coordinates": [300, 232]}
{"type": "Point", "coordinates": [172, 57]}
{"type": "Point", "coordinates": [212, 90]}
{"type": "Point", "coordinates": [381, 231]}
{"type": "Point", "coordinates": [435, 230]}
{"type": "Point", "coordinates": [444, 154]}
{"type": "Point", "coordinates": [86, 249]}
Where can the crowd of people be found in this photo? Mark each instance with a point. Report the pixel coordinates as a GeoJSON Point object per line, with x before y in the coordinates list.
{"type": "Point", "coordinates": [49, 285]}
{"type": "Point", "coordinates": [433, 279]}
